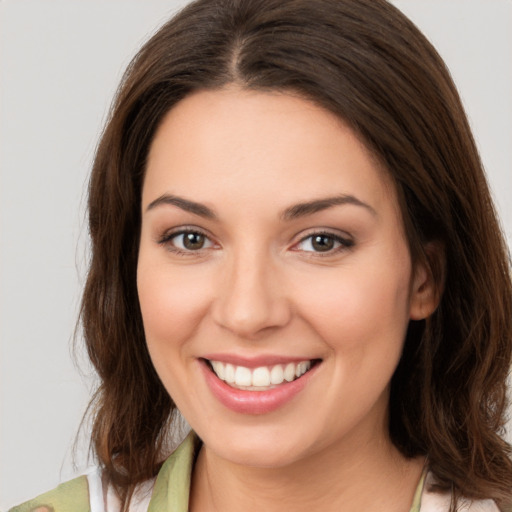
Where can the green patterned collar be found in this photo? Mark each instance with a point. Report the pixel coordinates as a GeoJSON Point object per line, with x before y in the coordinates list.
{"type": "Point", "coordinates": [172, 486]}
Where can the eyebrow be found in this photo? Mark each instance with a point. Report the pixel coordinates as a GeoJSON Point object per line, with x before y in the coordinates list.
{"type": "Point", "coordinates": [290, 213]}
{"type": "Point", "coordinates": [318, 205]}
{"type": "Point", "coordinates": [184, 204]}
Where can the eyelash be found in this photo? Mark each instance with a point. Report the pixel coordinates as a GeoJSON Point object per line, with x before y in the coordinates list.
{"type": "Point", "coordinates": [167, 240]}
{"type": "Point", "coordinates": [344, 243]}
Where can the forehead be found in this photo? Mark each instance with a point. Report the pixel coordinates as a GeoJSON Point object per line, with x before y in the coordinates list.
{"type": "Point", "coordinates": [260, 144]}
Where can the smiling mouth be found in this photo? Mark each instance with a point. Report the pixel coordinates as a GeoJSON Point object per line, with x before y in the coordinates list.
{"type": "Point", "coordinates": [262, 378]}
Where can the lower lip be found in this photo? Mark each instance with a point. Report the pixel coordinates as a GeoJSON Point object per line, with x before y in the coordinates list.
{"type": "Point", "coordinates": [254, 402]}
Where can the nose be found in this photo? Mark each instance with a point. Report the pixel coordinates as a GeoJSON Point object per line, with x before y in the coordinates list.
{"type": "Point", "coordinates": [251, 298]}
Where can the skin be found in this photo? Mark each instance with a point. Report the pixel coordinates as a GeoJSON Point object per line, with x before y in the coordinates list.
{"type": "Point", "coordinates": [259, 287]}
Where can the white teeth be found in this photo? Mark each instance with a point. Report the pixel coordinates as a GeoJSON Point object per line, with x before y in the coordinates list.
{"type": "Point", "coordinates": [229, 374]}
{"type": "Point", "coordinates": [277, 375]}
{"type": "Point", "coordinates": [243, 376]}
{"type": "Point", "coordinates": [219, 369]}
{"type": "Point", "coordinates": [302, 368]}
{"type": "Point", "coordinates": [289, 372]}
{"type": "Point", "coordinates": [262, 377]}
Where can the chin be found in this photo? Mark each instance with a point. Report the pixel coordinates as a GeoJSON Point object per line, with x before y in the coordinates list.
{"type": "Point", "coordinates": [257, 446]}
{"type": "Point", "coordinates": [267, 455]}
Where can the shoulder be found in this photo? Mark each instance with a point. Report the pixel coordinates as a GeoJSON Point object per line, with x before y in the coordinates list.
{"type": "Point", "coordinates": [87, 493]}
{"type": "Point", "coordinates": [92, 493]}
{"type": "Point", "coordinates": [438, 501]}
{"type": "Point", "coordinates": [69, 496]}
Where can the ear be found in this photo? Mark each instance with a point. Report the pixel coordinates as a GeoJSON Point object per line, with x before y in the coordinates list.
{"type": "Point", "coordinates": [428, 282]}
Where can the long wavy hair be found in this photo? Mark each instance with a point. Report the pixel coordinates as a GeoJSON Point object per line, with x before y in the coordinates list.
{"type": "Point", "coordinates": [367, 63]}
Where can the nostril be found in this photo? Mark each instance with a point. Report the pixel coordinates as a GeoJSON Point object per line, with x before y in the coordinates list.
{"type": "Point", "coordinates": [251, 315]}
{"type": "Point", "coordinates": [249, 299]}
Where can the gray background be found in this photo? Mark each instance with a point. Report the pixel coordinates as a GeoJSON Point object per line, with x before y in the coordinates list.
{"type": "Point", "coordinates": [60, 62]}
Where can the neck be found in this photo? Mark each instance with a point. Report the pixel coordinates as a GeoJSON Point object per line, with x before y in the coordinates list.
{"type": "Point", "coordinates": [355, 475]}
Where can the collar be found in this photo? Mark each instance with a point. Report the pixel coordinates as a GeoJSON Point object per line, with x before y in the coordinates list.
{"type": "Point", "coordinates": [172, 486]}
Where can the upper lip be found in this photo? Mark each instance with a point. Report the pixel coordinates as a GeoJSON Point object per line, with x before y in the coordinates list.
{"type": "Point", "coordinates": [256, 361]}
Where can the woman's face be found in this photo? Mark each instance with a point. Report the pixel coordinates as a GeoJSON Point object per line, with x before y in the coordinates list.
{"type": "Point", "coordinates": [270, 237]}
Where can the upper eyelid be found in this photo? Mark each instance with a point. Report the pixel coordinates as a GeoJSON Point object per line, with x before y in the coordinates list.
{"type": "Point", "coordinates": [166, 240]}
{"type": "Point", "coordinates": [172, 232]}
{"type": "Point", "coordinates": [341, 235]}
{"type": "Point", "coordinates": [346, 242]}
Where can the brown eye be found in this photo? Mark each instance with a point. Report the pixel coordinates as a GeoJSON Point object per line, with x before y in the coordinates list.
{"type": "Point", "coordinates": [322, 243]}
{"type": "Point", "coordinates": [193, 241]}
{"type": "Point", "coordinates": [186, 241]}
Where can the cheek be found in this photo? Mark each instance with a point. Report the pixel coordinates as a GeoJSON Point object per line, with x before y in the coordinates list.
{"type": "Point", "coordinates": [356, 307]}
{"type": "Point", "coordinates": [172, 305]}
{"type": "Point", "coordinates": [171, 302]}
{"type": "Point", "coordinates": [361, 314]}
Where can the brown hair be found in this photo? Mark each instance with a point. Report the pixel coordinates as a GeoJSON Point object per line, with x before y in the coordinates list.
{"type": "Point", "coordinates": [367, 63]}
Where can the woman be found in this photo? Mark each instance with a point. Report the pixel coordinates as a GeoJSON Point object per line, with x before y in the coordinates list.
{"type": "Point", "coordinates": [294, 244]}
